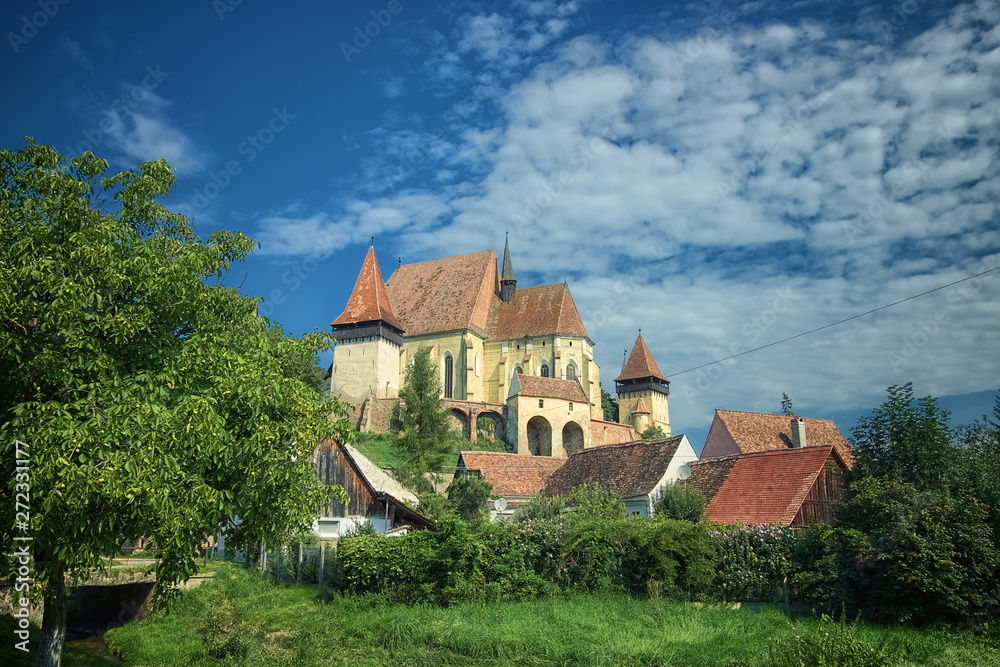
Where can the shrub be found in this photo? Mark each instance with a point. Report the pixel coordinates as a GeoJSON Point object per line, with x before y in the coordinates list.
{"type": "Point", "coordinates": [469, 496]}
{"type": "Point", "coordinates": [902, 554]}
{"type": "Point", "coordinates": [590, 501]}
{"type": "Point", "coordinates": [681, 502]}
{"type": "Point", "coordinates": [540, 506]}
{"type": "Point", "coordinates": [753, 561]}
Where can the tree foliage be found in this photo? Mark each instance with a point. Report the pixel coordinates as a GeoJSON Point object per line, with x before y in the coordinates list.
{"type": "Point", "coordinates": [426, 439]}
{"type": "Point", "coordinates": [610, 406]}
{"type": "Point", "coordinates": [470, 496]}
{"type": "Point", "coordinates": [654, 432]}
{"type": "Point", "coordinates": [786, 405]}
{"type": "Point", "coordinates": [681, 502]}
{"type": "Point", "coordinates": [902, 441]}
{"type": "Point", "coordinates": [153, 400]}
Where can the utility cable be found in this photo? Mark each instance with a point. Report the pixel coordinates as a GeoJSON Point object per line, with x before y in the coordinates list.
{"type": "Point", "coordinates": [833, 324]}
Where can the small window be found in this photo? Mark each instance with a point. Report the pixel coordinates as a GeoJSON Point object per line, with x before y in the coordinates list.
{"type": "Point", "coordinates": [571, 372]}
{"type": "Point", "coordinates": [544, 372]}
{"type": "Point", "coordinates": [571, 407]}
{"type": "Point", "coordinates": [543, 343]}
{"type": "Point", "coordinates": [571, 343]}
{"type": "Point", "coordinates": [541, 403]}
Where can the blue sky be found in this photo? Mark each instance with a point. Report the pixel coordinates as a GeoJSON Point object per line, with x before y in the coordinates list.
{"type": "Point", "coordinates": [721, 175]}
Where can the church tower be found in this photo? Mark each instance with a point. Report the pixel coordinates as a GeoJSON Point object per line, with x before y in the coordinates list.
{"type": "Point", "coordinates": [508, 284]}
{"type": "Point", "coordinates": [642, 391]}
{"type": "Point", "coordinates": [369, 337]}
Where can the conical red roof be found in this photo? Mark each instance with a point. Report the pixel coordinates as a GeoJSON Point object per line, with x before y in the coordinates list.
{"type": "Point", "coordinates": [640, 363]}
{"type": "Point", "coordinates": [640, 408]}
{"type": "Point", "coordinates": [369, 301]}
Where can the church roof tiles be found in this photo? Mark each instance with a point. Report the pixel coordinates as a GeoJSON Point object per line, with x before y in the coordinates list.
{"type": "Point", "coordinates": [568, 390]}
{"type": "Point", "coordinates": [446, 294]}
{"type": "Point", "coordinates": [538, 311]}
{"type": "Point", "coordinates": [369, 301]}
{"type": "Point", "coordinates": [640, 363]}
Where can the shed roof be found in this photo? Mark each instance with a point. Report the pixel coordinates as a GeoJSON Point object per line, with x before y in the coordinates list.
{"type": "Point", "coordinates": [766, 487]}
{"type": "Point", "coordinates": [628, 470]}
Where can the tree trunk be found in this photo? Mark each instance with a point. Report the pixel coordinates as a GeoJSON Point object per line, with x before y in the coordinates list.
{"type": "Point", "coordinates": [53, 626]}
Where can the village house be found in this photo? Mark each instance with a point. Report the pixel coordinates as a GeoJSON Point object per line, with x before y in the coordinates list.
{"type": "Point", "coordinates": [637, 472]}
{"type": "Point", "coordinates": [775, 469]}
{"type": "Point", "coordinates": [376, 498]}
{"type": "Point", "coordinates": [514, 478]}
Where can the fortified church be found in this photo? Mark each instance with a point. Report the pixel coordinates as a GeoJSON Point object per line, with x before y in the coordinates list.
{"type": "Point", "coordinates": [519, 356]}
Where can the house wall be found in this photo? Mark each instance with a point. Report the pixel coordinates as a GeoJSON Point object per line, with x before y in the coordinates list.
{"type": "Point", "coordinates": [719, 442]}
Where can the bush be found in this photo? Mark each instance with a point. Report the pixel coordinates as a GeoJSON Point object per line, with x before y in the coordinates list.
{"type": "Point", "coordinates": [681, 502]}
{"type": "Point", "coordinates": [540, 506]}
{"type": "Point", "coordinates": [753, 561]}
{"type": "Point", "coordinates": [831, 644]}
{"type": "Point", "coordinates": [900, 554]}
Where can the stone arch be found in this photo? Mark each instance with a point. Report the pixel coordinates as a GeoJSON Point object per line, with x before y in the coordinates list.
{"type": "Point", "coordinates": [572, 437]}
{"type": "Point", "coordinates": [539, 436]}
{"type": "Point", "coordinates": [460, 421]}
{"type": "Point", "coordinates": [491, 425]}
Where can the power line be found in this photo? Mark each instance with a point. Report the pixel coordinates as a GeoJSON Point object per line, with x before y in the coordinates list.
{"type": "Point", "coordinates": [833, 324]}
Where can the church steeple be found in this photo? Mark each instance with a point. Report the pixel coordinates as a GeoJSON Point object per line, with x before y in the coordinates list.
{"type": "Point", "coordinates": [642, 390]}
{"type": "Point", "coordinates": [508, 284]}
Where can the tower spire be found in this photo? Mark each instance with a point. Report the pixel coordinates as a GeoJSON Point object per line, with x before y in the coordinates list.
{"type": "Point", "coordinates": [508, 284]}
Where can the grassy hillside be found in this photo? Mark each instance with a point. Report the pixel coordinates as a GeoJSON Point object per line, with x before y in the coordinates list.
{"type": "Point", "coordinates": [241, 619]}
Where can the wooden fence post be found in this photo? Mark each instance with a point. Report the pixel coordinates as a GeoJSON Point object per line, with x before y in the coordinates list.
{"type": "Point", "coordinates": [319, 572]}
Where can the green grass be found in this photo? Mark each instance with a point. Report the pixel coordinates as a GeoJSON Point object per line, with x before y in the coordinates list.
{"type": "Point", "coordinates": [382, 451]}
{"type": "Point", "coordinates": [241, 619]}
{"type": "Point", "coordinates": [11, 657]}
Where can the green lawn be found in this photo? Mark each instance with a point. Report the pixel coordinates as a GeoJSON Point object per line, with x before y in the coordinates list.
{"type": "Point", "coordinates": [241, 619]}
{"type": "Point", "coordinates": [382, 451]}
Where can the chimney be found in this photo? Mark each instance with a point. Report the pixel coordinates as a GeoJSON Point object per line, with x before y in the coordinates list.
{"type": "Point", "coordinates": [798, 432]}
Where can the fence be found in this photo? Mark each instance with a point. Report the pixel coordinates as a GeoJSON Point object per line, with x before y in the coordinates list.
{"type": "Point", "coordinates": [298, 563]}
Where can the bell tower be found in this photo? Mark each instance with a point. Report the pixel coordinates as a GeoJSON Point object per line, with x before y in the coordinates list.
{"type": "Point", "coordinates": [369, 338]}
{"type": "Point", "coordinates": [642, 391]}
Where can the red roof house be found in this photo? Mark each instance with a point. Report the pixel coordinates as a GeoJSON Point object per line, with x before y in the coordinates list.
{"type": "Point", "coordinates": [787, 487]}
{"type": "Point", "coordinates": [735, 432]}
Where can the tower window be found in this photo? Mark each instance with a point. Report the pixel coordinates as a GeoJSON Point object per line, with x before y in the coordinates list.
{"type": "Point", "coordinates": [571, 407]}
{"type": "Point", "coordinates": [541, 403]}
{"type": "Point", "coordinates": [544, 372]}
{"type": "Point", "coordinates": [571, 371]}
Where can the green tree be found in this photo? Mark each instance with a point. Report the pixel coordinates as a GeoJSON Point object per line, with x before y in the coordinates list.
{"type": "Point", "coordinates": [653, 432]}
{"type": "Point", "coordinates": [152, 400]}
{"type": "Point", "coordinates": [902, 441]}
{"type": "Point", "coordinates": [976, 468]}
{"type": "Point", "coordinates": [682, 502]}
{"type": "Point", "coordinates": [590, 501]}
{"type": "Point", "coordinates": [786, 405]}
{"type": "Point", "coordinates": [610, 406]}
{"type": "Point", "coordinates": [302, 362]}
{"type": "Point", "coordinates": [470, 496]}
{"type": "Point", "coordinates": [426, 439]}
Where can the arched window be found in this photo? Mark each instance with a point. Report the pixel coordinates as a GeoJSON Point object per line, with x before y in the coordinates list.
{"type": "Point", "coordinates": [544, 370]}
{"type": "Point", "coordinates": [449, 385]}
{"type": "Point", "coordinates": [571, 371]}
{"type": "Point", "coordinates": [518, 370]}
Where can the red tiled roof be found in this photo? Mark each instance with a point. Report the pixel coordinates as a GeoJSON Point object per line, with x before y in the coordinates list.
{"type": "Point", "coordinates": [568, 390]}
{"type": "Point", "coordinates": [756, 432]}
{"type": "Point", "coordinates": [369, 301]}
{"type": "Point", "coordinates": [628, 470]}
{"type": "Point", "coordinates": [445, 294]}
{"type": "Point", "coordinates": [511, 474]}
{"type": "Point", "coordinates": [707, 475]}
{"type": "Point", "coordinates": [767, 487]}
{"type": "Point", "coordinates": [538, 311]}
{"type": "Point", "coordinates": [640, 363]}
{"type": "Point", "coordinates": [640, 408]}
